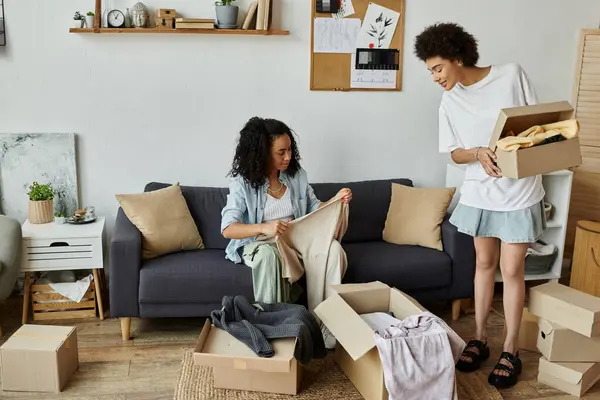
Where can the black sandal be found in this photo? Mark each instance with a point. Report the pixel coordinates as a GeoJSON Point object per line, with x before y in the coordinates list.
{"type": "Point", "coordinates": [501, 381]}
{"type": "Point", "coordinates": [476, 358]}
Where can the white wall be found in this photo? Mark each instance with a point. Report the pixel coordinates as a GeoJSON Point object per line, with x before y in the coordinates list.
{"type": "Point", "coordinates": [139, 101]}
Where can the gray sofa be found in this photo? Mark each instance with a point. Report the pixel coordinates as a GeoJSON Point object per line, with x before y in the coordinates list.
{"type": "Point", "coordinates": [192, 283]}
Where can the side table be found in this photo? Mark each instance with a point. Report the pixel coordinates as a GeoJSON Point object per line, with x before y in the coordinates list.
{"type": "Point", "coordinates": [58, 247]}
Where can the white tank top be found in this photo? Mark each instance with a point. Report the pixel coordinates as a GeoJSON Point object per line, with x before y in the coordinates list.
{"type": "Point", "coordinates": [279, 209]}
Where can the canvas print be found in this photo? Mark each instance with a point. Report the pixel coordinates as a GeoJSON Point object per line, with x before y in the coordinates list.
{"type": "Point", "coordinates": [378, 28]}
{"type": "Point", "coordinates": [41, 157]}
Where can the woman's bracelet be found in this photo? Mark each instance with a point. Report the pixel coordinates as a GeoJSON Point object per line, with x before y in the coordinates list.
{"type": "Point", "coordinates": [477, 153]}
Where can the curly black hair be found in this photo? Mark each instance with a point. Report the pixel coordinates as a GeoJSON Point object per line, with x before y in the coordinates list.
{"type": "Point", "coordinates": [449, 41]}
{"type": "Point", "coordinates": [254, 148]}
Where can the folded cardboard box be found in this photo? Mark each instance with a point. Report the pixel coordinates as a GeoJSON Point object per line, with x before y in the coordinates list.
{"type": "Point", "coordinates": [356, 352]}
{"type": "Point", "coordinates": [566, 306]}
{"type": "Point", "coordinates": [572, 378]}
{"type": "Point", "coordinates": [39, 358]}
{"type": "Point", "coordinates": [538, 159]}
{"type": "Point", "coordinates": [236, 366]}
{"type": "Point", "coordinates": [560, 344]}
{"type": "Point", "coordinates": [528, 332]}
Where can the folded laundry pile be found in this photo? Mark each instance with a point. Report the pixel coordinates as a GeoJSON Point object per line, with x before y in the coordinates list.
{"type": "Point", "coordinates": [254, 324]}
{"type": "Point", "coordinates": [539, 135]}
{"type": "Point", "coordinates": [540, 249]}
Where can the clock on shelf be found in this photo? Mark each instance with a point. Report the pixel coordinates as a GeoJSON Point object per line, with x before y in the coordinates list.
{"type": "Point", "coordinates": [115, 19]}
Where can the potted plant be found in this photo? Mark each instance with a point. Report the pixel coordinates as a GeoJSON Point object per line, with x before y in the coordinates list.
{"type": "Point", "coordinates": [89, 19]}
{"type": "Point", "coordinates": [41, 202]}
{"type": "Point", "coordinates": [227, 14]}
{"type": "Point", "coordinates": [59, 217]}
{"type": "Point", "coordinates": [78, 19]}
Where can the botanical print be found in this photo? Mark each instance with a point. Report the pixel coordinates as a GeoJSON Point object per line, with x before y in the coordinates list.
{"type": "Point", "coordinates": [41, 157]}
{"type": "Point", "coordinates": [346, 9]}
{"type": "Point", "coordinates": [378, 28]}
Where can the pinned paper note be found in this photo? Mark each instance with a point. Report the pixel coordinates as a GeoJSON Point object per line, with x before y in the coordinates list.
{"type": "Point", "coordinates": [378, 27]}
{"type": "Point", "coordinates": [335, 35]}
{"type": "Point", "coordinates": [346, 9]}
{"type": "Point", "coordinates": [371, 78]}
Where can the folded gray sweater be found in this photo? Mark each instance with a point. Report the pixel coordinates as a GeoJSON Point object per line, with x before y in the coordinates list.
{"type": "Point", "coordinates": [254, 326]}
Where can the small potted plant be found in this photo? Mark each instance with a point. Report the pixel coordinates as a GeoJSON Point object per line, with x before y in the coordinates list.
{"type": "Point", "coordinates": [89, 20]}
{"type": "Point", "coordinates": [41, 202]}
{"type": "Point", "coordinates": [78, 20]}
{"type": "Point", "coordinates": [59, 217]}
{"type": "Point", "coordinates": [227, 14]}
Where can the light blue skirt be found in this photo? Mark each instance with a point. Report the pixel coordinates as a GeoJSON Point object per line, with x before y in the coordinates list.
{"type": "Point", "coordinates": [520, 226]}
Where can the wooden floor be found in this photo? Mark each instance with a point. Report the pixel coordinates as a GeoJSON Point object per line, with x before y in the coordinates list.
{"type": "Point", "coordinates": [146, 367]}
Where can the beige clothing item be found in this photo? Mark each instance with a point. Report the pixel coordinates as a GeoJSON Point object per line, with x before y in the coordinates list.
{"type": "Point", "coordinates": [311, 246]}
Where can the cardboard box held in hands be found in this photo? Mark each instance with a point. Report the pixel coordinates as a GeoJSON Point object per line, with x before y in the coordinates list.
{"type": "Point", "coordinates": [39, 358]}
{"type": "Point", "coordinates": [356, 352]}
{"type": "Point", "coordinates": [539, 159]}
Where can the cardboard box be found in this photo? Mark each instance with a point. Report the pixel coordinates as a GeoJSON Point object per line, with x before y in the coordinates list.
{"type": "Point", "coordinates": [535, 160]}
{"type": "Point", "coordinates": [165, 23]}
{"type": "Point", "coordinates": [39, 358]}
{"type": "Point", "coordinates": [560, 344]}
{"type": "Point", "coordinates": [528, 332]}
{"type": "Point", "coordinates": [566, 306]}
{"type": "Point", "coordinates": [237, 367]}
{"type": "Point", "coordinates": [356, 352]}
{"type": "Point", "coordinates": [572, 378]}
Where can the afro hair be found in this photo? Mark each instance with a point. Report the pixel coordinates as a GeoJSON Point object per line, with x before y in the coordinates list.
{"type": "Point", "coordinates": [448, 41]}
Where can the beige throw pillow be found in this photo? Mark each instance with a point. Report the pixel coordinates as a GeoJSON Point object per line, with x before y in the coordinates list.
{"type": "Point", "coordinates": [164, 220]}
{"type": "Point", "coordinates": [415, 215]}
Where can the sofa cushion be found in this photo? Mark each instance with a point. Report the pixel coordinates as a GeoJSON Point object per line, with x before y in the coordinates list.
{"type": "Point", "coordinates": [164, 220]}
{"type": "Point", "coordinates": [404, 267]}
{"type": "Point", "coordinates": [201, 276]}
{"type": "Point", "coordinates": [368, 209]}
{"type": "Point", "coordinates": [415, 216]}
{"type": "Point", "coordinates": [205, 204]}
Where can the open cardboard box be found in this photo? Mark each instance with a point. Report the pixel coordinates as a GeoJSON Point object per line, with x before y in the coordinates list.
{"type": "Point", "coordinates": [560, 344]}
{"type": "Point", "coordinates": [540, 159]}
{"type": "Point", "coordinates": [356, 352]}
{"type": "Point", "coordinates": [237, 367]}
{"type": "Point", "coordinates": [572, 378]}
{"type": "Point", "coordinates": [566, 306]}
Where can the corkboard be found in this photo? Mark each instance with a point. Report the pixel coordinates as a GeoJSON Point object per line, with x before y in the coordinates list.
{"type": "Point", "coordinates": [331, 71]}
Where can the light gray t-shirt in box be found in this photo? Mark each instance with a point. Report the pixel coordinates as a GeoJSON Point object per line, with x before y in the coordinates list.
{"type": "Point", "coordinates": [467, 118]}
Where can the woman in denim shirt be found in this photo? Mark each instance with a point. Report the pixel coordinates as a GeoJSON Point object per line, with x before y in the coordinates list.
{"type": "Point", "coordinates": [268, 190]}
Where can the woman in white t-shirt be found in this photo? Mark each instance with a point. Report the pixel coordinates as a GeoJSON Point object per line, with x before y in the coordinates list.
{"type": "Point", "coordinates": [503, 215]}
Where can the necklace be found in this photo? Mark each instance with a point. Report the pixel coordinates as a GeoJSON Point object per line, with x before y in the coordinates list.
{"type": "Point", "coordinates": [276, 191]}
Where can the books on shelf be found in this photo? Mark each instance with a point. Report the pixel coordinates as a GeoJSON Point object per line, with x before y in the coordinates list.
{"type": "Point", "coordinates": [194, 23]}
{"type": "Point", "coordinates": [259, 15]}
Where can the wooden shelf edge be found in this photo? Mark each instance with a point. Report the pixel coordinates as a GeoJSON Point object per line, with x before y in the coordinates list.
{"type": "Point", "coordinates": [180, 31]}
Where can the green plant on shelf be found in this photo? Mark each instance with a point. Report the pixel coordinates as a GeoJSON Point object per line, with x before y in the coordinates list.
{"type": "Point", "coordinates": [40, 192]}
{"type": "Point", "coordinates": [224, 2]}
{"type": "Point", "coordinates": [90, 14]}
{"type": "Point", "coordinates": [78, 16]}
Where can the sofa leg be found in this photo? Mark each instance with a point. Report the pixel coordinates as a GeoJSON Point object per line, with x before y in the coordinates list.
{"type": "Point", "coordinates": [456, 309]}
{"type": "Point", "coordinates": [125, 327]}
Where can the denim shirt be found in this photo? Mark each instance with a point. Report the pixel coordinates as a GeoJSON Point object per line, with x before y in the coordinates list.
{"type": "Point", "coordinates": [246, 205]}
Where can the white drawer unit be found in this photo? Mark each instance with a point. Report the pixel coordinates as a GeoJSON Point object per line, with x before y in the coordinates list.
{"type": "Point", "coordinates": [61, 254]}
{"type": "Point", "coordinates": [56, 247]}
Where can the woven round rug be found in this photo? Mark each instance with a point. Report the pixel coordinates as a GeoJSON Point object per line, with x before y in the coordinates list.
{"type": "Point", "coordinates": [321, 379]}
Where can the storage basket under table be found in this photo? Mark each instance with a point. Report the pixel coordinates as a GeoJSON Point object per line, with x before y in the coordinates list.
{"type": "Point", "coordinates": [48, 304]}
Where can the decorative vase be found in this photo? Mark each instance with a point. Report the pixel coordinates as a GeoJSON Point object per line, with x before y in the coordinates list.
{"type": "Point", "coordinates": [59, 220]}
{"type": "Point", "coordinates": [89, 21]}
{"type": "Point", "coordinates": [41, 212]}
{"type": "Point", "coordinates": [139, 15]}
{"type": "Point", "coordinates": [77, 23]}
{"type": "Point", "coordinates": [227, 16]}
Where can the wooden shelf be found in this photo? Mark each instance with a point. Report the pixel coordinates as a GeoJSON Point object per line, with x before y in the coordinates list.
{"type": "Point", "coordinates": [178, 31]}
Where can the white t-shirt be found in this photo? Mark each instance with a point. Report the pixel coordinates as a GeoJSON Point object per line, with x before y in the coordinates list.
{"type": "Point", "coordinates": [468, 115]}
{"type": "Point", "coordinates": [279, 209]}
